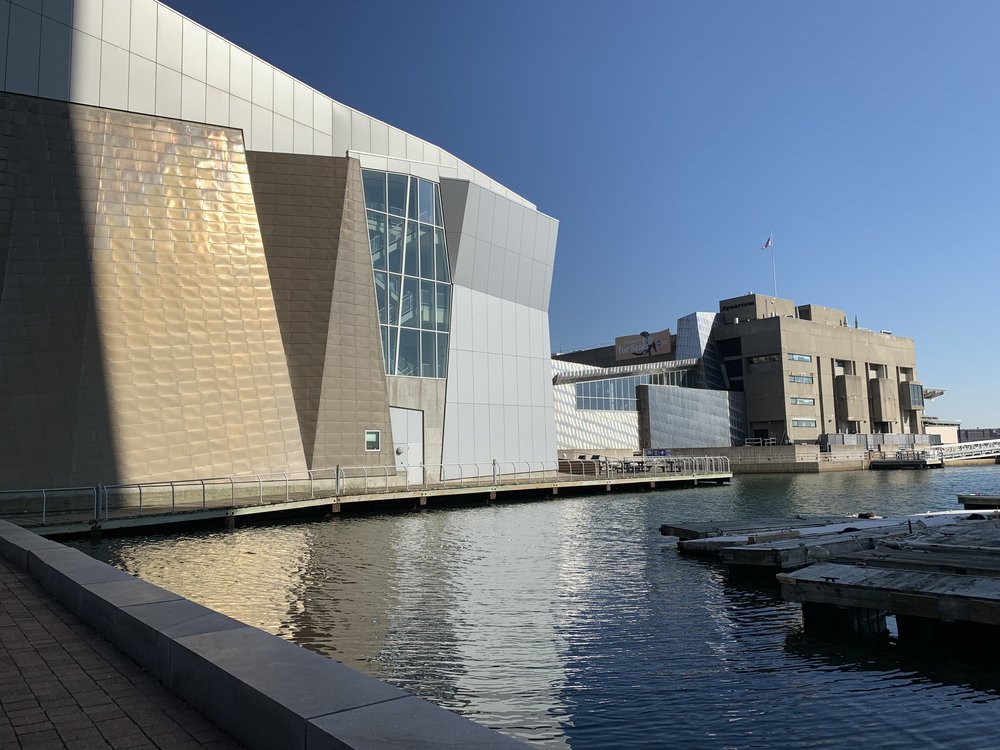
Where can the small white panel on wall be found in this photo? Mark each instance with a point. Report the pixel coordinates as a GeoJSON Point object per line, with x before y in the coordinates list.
{"type": "Point", "coordinates": [501, 217]}
{"type": "Point", "coordinates": [88, 16]}
{"type": "Point", "coordinates": [397, 143]}
{"type": "Point", "coordinates": [85, 81]}
{"type": "Point", "coordinates": [361, 133]}
{"type": "Point", "coordinates": [284, 97]}
{"type": "Point", "coordinates": [303, 139]}
{"type": "Point", "coordinates": [414, 148]}
{"type": "Point", "coordinates": [261, 137]}
{"type": "Point", "coordinates": [380, 138]}
{"type": "Point", "coordinates": [142, 30]}
{"type": "Point", "coordinates": [194, 57]}
{"type": "Point", "coordinates": [169, 38]}
{"type": "Point", "coordinates": [24, 41]}
{"type": "Point", "coordinates": [341, 129]}
{"type": "Point", "coordinates": [240, 73]}
{"type": "Point", "coordinates": [55, 58]}
{"type": "Point", "coordinates": [240, 116]}
{"type": "Point", "coordinates": [322, 113]}
{"type": "Point", "coordinates": [494, 284]}
{"type": "Point", "coordinates": [216, 106]}
{"type": "Point", "coordinates": [114, 77]}
{"type": "Point", "coordinates": [192, 99]}
{"type": "Point", "coordinates": [283, 134]}
{"type": "Point", "coordinates": [117, 25]}
{"type": "Point", "coordinates": [263, 84]}
{"type": "Point", "coordinates": [168, 92]}
{"type": "Point", "coordinates": [217, 62]}
{"type": "Point", "coordinates": [141, 85]}
{"type": "Point", "coordinates": [303, 103]}
{"type": "Point", "coordinates": [322, 144]}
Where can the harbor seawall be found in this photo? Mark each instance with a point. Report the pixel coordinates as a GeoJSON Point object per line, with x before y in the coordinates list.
{"type": "Point", "coordinates": [261, 689]}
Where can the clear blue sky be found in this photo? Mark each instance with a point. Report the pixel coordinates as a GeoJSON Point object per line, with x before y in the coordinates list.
{"type": "Point", "coordinates": [669, 139]}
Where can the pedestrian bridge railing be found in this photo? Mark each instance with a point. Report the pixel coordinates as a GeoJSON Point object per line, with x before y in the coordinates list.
{"type": "Point", "coordinates": [107, 501]}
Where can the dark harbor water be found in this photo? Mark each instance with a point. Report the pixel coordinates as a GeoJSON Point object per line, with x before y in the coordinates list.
{"type": "Point", "coordinates": [573, 623]}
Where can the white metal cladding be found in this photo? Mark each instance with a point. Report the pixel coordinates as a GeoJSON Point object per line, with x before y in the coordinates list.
{"type": "Point", "coordinates": [589, 430]}
{"type": "Point", "coordinates": [693, 417]}
{"type": "Point", "coordinates": [142, 56]}
{"type": "Point", "coordinates": [498, 403]}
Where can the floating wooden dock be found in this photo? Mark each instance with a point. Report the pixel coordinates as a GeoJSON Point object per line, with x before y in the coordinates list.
{"type": "Point", "coordinates": [941, 583]}
{"type": "Point", "coordinates": [751, 526]}
{"type": "Point", "coordinates": [978, 501]}
{"type": "Point", "coordinates": [907, 461]}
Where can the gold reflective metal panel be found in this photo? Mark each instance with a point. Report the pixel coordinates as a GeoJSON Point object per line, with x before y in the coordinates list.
{"type": "Point", "coordinates": [167, 379]}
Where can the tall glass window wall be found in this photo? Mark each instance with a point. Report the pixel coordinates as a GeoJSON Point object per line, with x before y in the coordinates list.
{"type": "Point", "coordinates": [618, 394]}
{"type": "Point", "coordinates": [412, 275]}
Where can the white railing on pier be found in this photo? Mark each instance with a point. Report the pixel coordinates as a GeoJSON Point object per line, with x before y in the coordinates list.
{"type": "Point", "coordinates": [978, 449]}
{"type": "Point", "coordinates": [132, 499]}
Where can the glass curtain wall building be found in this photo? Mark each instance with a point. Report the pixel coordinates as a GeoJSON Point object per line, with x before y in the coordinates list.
{"type": "Point", "coordinates": [411, 272]}
{"type": "Point", "coordinates": [345, 293]}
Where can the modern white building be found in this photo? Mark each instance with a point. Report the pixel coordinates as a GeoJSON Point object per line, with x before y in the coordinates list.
{"type": "Point", "coordinates": [209, 268]}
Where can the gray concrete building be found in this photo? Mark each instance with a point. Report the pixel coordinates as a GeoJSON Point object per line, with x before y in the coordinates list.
{"type": "Point", "coordinates": [208, 268]}
{"type": "Point", "coordinates": [762, 368]}
{"type": "Point", "coordinates": [805, 372]}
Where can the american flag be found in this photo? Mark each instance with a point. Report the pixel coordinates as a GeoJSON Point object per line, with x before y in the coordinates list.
{"type": "Point", "coordinates": [769, 242]}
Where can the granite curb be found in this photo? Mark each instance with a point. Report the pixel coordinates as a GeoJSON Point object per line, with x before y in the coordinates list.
{"type": "Point", "coordinates": [265, 691]}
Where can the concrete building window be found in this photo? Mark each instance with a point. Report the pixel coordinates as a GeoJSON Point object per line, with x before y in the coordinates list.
{"type": "Point", "coordinates": [412, 274]}
{"type": "Point", "coordinates": [800, 358]}
{"type": "Point", "coordinates": [373, 440]}
{"type": "Point", "coordinates": [800, 378]}
{"type": "Point", "coordinates": [803, 401]}
{"type": "Point", "coordinates": [762, 358]}
{"type": "Point", "coordinates": [803, 423]}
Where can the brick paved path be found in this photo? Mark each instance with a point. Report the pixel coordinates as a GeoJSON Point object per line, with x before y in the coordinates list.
{"type": "Point", "coordinates": [63, 686]}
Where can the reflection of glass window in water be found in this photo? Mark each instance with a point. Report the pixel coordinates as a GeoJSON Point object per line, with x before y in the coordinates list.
{"type": "Point", "coordinates": [412, 276]}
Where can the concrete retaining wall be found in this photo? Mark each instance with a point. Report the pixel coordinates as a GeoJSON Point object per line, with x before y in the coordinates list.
{"type": "Point", "coordinates": [266, 692]}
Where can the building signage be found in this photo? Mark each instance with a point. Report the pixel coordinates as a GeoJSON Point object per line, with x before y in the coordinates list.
{"type": "Point", "coordinates": [644, 345]}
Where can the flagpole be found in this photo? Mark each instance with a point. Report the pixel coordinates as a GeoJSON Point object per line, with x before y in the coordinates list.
{"type": "Point", "coordinates": [774, 274]}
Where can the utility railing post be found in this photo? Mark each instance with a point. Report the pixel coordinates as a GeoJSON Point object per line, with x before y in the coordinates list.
{"type": "Point", "coordinates": [173, 498]}
{"type": "Point", "coordinates": [140, 498]}
{"type": "Point", "coordinates": [203, 498]}
{"type": "Point", "coordinates": [44, 502]}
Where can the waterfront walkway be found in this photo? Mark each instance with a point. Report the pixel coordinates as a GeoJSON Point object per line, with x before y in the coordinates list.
{"type": "Point", "coordinates": [63, 686]}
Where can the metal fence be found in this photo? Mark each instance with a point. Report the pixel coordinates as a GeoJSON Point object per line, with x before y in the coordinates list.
{"type": "Point", "coordinates": [145, 498]}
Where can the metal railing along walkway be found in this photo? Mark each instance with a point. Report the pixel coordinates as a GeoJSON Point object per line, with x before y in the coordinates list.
{"type": "Point", "coordinates": [978, 449]}
{"type": "Point", "coordinates": [338, 484]}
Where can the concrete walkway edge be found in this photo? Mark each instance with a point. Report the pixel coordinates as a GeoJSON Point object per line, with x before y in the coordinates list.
{"type": "Point", "coordinates": [265, 691]}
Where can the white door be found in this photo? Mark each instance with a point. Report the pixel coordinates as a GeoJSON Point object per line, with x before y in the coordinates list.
{"type": "Point", "coordinates": [408, 439]}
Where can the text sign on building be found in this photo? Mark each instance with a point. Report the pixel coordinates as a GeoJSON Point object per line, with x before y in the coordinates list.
{"type": "Point", "coordinates": [644, 345]}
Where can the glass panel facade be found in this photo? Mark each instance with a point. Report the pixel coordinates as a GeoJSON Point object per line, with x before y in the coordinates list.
{"type": "Point", "coordinates": [412, 275]}
{"type": "Point", "coordinates": [613, 394]}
